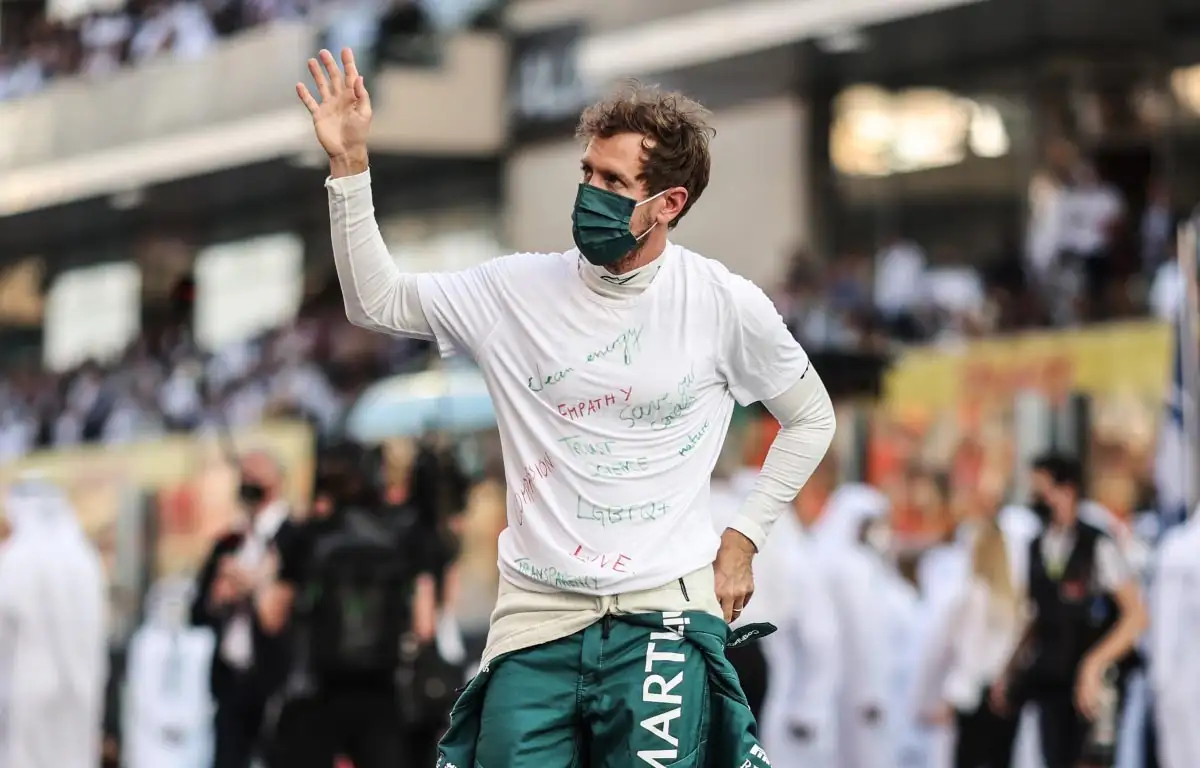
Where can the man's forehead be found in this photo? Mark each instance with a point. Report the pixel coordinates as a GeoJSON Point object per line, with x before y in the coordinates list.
{"type": "Point", "coordinates": [624, 149]}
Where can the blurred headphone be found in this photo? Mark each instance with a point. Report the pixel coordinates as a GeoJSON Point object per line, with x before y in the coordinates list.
{"type": "Point", "coordinates": [438, 485]}
{"type": "Point", "coordinates": [349, 472]}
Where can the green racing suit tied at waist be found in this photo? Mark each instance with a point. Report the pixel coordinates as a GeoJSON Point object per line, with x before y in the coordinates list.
{"type": "Point", "coordinates": [644, 689]}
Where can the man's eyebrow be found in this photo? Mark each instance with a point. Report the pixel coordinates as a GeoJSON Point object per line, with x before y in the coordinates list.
{"type": "Point", "coordinates": [584, 165]}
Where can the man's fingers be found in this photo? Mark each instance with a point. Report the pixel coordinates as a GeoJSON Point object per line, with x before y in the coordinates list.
{"type": "Point", "coordinates": [350, 67]}
{"type": "Point", "coordinates": [335, 74]}
{"type": "Point", "coordinates": [318, 76]}
{"type": "Point", "coordinates": [727, 608]}
{"type": "Point", "coordinates": [361, 95]}
{"type": "Point", "coordinates": [307, 98]}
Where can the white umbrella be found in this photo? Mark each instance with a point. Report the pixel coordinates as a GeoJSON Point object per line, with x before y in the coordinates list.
{"type": "Point", "coordinates": [454, 401]}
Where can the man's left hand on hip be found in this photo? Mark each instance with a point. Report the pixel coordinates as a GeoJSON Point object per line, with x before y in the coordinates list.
{"type": "Point", "coordinates": [734, 577]}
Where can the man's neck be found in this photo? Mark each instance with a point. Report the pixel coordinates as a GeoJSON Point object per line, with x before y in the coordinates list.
{"type": "Point", "coordinates": [640, 257]}
{"type": "Point", "coordinates": [623, 283]}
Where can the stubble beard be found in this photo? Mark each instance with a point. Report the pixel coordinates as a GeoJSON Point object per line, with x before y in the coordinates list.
{"type": "Point", "coordinates": [630, 261]}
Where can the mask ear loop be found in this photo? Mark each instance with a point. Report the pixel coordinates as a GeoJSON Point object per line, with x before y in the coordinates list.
{"type": "Point", "coordinates": [643, 202]}
{"type": "Point", "coordinates": [648, 231]}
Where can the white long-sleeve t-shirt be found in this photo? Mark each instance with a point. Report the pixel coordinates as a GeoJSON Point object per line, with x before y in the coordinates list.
{"type": "Point", "coordinates": [612, 397]}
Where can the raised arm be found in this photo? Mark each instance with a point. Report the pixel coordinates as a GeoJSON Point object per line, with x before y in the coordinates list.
{"type": "Point", "coordinates": [458, 309]}
{"type": "Point", "coordinates": [377, 294]}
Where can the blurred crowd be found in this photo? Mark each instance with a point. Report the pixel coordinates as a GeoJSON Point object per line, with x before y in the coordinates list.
{"type": "Point", "coordinates": [1089, 254]}
{"type": "Point", "coordinates": [958, 655]}
{"type": "Point", "coordinates": [164, 383]}
{"type": "Point", "coordinates": [102, 37]}
{"type": "Point", "coordinates": [97, 44]}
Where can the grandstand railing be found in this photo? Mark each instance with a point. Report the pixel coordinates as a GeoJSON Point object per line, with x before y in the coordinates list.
{"type": "Point", "coordinates": [169, 119]}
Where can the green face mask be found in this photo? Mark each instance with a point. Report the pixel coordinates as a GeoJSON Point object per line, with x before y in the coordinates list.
{"type": "Point", "coordinates": [600, 224]}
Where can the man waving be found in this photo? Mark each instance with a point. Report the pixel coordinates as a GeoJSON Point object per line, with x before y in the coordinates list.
{"type": "Point", "coordinates": [614, 368]}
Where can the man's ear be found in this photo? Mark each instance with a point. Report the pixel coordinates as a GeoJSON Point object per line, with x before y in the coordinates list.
{"type": "Point", "coordinates": [673, 202]}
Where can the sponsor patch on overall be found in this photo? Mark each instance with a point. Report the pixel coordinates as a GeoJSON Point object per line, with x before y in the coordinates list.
{"type": "Point", "coordinates": [748, 633]}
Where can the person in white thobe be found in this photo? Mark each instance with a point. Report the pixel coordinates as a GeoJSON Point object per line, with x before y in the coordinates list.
{"type": "Point", "coordinates": [904, 635]}
{"type": "Point", "coordinates": [53, 642]}
{"type": "Point", "coordinates": [168, 705]}
{"type": "Point", "coordinates": [900, 623]}
{"type": "Point", "coordinates": [804, 658]}
{"type": "Point", "coordinates": [799, 720]}
{"type": "Point", "coordinates": [864, 737]}
{"type": "Point", "coordinates": [1174, 650]}
{"type": "Point", "coordinates": [940, 573]}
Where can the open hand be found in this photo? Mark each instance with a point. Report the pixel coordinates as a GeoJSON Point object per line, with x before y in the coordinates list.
{"type": "Point", "coordinates": [342, 117]}
{"type": "Point", "coordinates": [733, 574]}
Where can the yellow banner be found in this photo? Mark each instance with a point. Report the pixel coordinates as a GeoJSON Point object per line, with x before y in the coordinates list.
{"type": "Point", "coordinates": [194, 485]}
{"type": "Point", "coordinates": [1132, 358]}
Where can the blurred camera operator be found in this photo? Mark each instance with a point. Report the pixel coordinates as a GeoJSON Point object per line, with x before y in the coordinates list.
{"type": "Point", "coordinates": [438, 489]}
{"type": "Point", "coordinates": [355, 585]}
{"type": "Point", "coordinates": [249, 663]}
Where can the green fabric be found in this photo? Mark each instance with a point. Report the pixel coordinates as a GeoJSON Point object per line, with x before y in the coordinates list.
{"type": "Point", "coordinates": [600, 225]}
{"type": "Point", "coordinates": [626, 691]}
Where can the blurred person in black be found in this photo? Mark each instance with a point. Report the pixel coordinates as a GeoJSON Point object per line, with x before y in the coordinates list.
{"type": "Point", "coordinates": [1079, 646]}
{"type": "Point", "coordinates": [354, 587]}
{"type": "Point", "coordinates": [438, 489]}
{"type": "Point", "coordinates": [249, 664]}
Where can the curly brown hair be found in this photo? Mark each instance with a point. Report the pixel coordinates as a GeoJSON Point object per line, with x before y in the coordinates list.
{"type": "Point", "coordinates": [675, 136]}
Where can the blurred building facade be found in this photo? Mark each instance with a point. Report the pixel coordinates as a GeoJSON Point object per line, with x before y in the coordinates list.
{"type": "Point", "coordinates": [840, 125]}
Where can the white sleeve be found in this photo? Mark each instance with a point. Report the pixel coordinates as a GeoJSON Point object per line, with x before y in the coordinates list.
{"type": "Point", "coordinates": [1112, 569]}
{"type": "Point", "coordinates": [759, 357]}
{"type": "Point", "coordinates": [464, 307]}
{"type": "Point", "coordinates": [807, 424]}
{"type": "Point", "coordinates": [377, 294]}
{"type": "Point", "coordinates": [458, 309]}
